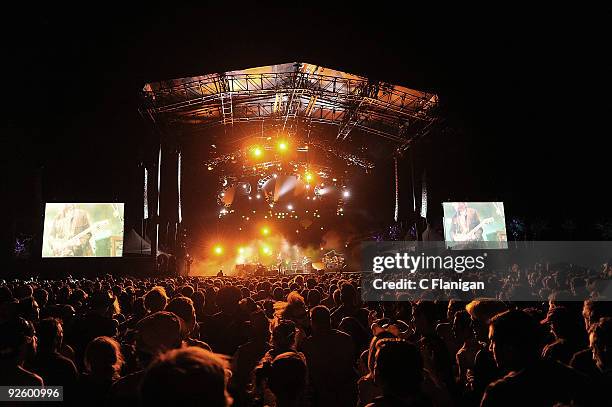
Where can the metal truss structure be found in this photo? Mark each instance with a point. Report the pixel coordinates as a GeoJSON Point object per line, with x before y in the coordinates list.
{"type": "Point", "coordinates": [289, 96]}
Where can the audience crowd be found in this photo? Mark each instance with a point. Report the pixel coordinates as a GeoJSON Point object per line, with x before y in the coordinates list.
{"type": "Point", "coordinates": [303, 340]}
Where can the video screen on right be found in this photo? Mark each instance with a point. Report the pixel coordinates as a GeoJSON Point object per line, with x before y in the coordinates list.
{"type": "Point", "coordinates": [475, 225]}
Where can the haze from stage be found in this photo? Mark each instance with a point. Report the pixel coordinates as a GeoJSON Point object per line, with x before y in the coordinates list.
{"type": "Point", "coordinates": [83, 230]}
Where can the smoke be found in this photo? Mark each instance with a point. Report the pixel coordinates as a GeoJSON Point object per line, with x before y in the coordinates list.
{"type": "Point", "coordinates": [332, 240]}
{"type": "Point", "coordinates": [269, 251]}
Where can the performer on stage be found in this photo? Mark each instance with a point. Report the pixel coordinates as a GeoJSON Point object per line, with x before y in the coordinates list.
{"type": "Point", "coordinates": [66, 237]}
{"type": "Point", "coordinates": [465, 224]}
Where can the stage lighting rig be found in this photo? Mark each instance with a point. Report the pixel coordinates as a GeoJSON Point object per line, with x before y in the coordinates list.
{"type": "Point", "coordinates": [283, 146]}
{"type": "Point", "coordinates": [256, 151]}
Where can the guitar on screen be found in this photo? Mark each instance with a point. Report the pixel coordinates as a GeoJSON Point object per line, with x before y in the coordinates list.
{"type": "Point", "coordinates": [471, 235]}
{"type": "Point", "coordinates": [65, 247]}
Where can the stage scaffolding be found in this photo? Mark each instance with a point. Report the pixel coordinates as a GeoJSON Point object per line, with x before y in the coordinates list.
{"type": "Point", "coordinates": [289, 97]}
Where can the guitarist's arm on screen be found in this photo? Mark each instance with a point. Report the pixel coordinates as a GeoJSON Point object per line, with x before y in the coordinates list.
{"type": "Point", "coordinates": [466, 226]}
{"type": "Point", "coordinates": [81, 223]}
{"type": "Point", "coordinates": [66, 234]}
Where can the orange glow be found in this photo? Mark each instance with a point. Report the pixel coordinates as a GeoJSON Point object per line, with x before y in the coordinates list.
{"type": "Point", "coordinates": [256, 151]}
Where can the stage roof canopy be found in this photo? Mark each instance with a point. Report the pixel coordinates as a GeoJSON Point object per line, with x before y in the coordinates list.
{"type": "Point", "coordinates": [292, 97]}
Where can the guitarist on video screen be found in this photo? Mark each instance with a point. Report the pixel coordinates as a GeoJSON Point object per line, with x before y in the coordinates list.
{"type": "Point", "coordinates": [66, 236]}
{"type": "Point", "coordinates": [465, 224]}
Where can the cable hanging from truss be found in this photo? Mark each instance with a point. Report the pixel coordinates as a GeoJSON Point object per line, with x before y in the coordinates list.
{"type": "Point", "coordinates": [396, 215]}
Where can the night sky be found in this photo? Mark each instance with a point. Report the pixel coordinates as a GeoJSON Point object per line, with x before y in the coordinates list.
{"type": "Point", "coordinates": [525, 100]}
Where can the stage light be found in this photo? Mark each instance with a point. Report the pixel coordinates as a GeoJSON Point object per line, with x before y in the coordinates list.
{"type": "Point", "coordinates": [308, 176]}
{"type": "Point", "coordinates": [258, 196]}
{"type": "Point", "coordinates": [241, 250]}
{"type": "Point", "coordinates": [283, 146]}
{"type": "Point", "coordinates": [265, 231]}
{"type": "Point", "coordinates": [244, 186]}
{"type": "Point", "coordinates": [346, 193]}
{"type": "Point", "coordinates": [250, 198]}
{"type": "Point", "coordinates": [290, 207]}
{"type": "Point", "coordinates": [275, 176]}
{"type": "Point", "coordinates": [266, 250]}
{"type": "Point", "coordinates": [256, 151]}
{"type": "Point", "coordinates": [210, 168]}
{"type": "Point", "coordinates": [222, 194]}
{"type": "Point", "coordinates": [218, 250]}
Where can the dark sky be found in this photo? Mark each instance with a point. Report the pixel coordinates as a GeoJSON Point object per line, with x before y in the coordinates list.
{"type": "Point", "coordinates": [525, 96]}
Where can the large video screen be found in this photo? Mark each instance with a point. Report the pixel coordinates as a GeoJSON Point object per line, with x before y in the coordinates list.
{"type": "Point", "coordinates": [473, 225]}
{"type": "Point", "coordinates": [83, 230]}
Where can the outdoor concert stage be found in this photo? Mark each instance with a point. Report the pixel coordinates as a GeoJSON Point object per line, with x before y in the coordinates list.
{"type": "Point", "coordinates": [267, 164]}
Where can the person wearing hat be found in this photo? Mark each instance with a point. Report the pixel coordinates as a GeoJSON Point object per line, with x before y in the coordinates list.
{"type": "Point", "coordinates": [17, 341]}
{"type": "Point", "coordinates": [154, 334]}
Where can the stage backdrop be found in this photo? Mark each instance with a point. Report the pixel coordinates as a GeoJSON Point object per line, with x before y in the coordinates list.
{"type": "Point", "coordinates": [83, 230]}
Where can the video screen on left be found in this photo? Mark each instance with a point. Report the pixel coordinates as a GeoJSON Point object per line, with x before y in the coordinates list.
{"type": "Point", "coordinates": [83, 230]}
